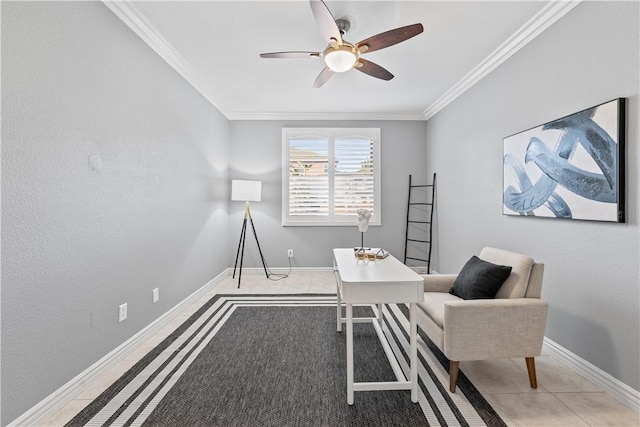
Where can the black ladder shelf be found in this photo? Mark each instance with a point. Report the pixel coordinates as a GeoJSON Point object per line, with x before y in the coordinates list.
{"type": "Point", "coordinates": [419, 224]}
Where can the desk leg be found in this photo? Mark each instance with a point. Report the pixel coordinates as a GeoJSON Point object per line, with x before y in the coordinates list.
{"type": "Point", "coordinates": [380, 314]}
{"type": "Point", "coordinates": [339, 308]}
{"type": "Point", "coordinates": [349, 354]}
{"type": "Point", "coordinates": [414, 352]}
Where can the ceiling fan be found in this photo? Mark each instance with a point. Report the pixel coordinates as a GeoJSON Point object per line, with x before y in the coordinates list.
{"type": "Point", "coordinates": [340, 55]}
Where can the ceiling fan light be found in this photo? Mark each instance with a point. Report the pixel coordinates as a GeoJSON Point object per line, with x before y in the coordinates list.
{"type": "Point", "coordinates": [340, 59]}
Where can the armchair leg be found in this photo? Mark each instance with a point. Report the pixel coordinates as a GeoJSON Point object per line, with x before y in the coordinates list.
{"type": "Point", "coordinates": [531, 369]}
{"type": "Point", "coordinates": [453, 375]}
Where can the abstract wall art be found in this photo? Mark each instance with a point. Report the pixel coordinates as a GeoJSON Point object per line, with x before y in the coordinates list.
{"type": "Point", "coordinates": [570, 168]}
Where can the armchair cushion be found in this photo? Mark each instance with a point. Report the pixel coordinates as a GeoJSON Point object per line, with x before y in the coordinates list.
{"type": "Point", "coordinates": [433, 306]}
{"type": "Point", "coordinates": [479, 279]}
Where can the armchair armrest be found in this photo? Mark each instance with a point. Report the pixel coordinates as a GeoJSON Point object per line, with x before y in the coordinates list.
{"type": "Point", "coordinates": [494, 328]}
{"type": "Point", "coordinates": [438, 282]}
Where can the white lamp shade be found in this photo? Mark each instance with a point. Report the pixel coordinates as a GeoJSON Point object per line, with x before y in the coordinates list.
{"type": "Point", "coordinates": [246, 191]}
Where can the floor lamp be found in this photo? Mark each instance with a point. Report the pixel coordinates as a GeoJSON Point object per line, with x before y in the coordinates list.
{"type": "Point", "coordinates": [246, 191]}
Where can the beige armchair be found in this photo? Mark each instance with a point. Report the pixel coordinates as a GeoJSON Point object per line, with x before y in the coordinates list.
{"type": "Point", "coordinates": [509, 326]}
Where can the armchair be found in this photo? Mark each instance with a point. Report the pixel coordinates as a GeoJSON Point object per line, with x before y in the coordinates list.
{"type": "Point", "coordinates": [510, 325]}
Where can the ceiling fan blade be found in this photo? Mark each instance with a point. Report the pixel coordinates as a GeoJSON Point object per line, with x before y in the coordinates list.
{"type": "Point", "coordinates": [292, 54]}
{"type": "Point", "coordinates": [325, 21]}
{"type": "Point", "coordinates": [322, 78]}
{"type": "Point", "coordinates": [373, 69]}
{"type": "Point", "coordinates": [389, 38]}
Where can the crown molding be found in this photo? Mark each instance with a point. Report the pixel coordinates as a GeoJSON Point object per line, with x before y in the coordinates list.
{"type": "Point", "coordinates": [258, 115]}
{"type": "Point", "coordinates": [547, 16]}
{"type": "Point", "coordinates": [139, 24]}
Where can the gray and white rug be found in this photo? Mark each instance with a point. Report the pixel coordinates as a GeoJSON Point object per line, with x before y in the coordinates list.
{"type": "Point", "coordinates": [277, 360]}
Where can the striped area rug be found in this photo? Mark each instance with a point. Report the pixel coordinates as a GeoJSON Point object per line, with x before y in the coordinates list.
{"type": "Point", "coordinates": [277, 360]}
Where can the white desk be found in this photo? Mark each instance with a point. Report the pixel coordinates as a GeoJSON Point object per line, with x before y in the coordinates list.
{"type": "Point", "coordinates": [378, 282]}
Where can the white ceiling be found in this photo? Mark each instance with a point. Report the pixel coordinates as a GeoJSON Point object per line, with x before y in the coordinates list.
{"type": "Point", "coordinates": [215, 45]}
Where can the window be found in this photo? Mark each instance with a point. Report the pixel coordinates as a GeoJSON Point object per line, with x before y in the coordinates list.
{"type": "Point", "coordinates": [328, 174]}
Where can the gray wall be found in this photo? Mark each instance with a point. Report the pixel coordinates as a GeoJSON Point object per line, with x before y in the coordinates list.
{"type": "Point", "coordinates": [256, 153]}
{"type": "Point", "coordinates": [591, 278]}
{"type": "Point", "coordinates": [78, 242]}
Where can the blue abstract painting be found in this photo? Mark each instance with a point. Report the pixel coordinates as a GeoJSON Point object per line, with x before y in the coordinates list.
{"type": "Point", "coordinates": [570, 168]}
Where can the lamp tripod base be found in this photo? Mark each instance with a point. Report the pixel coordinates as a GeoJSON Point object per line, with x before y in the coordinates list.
{"type": "Point", "coordinates": [240, 251]}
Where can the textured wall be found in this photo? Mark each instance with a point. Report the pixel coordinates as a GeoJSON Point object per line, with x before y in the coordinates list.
{"type": "Point", "coordinates": [114, 182]}
{"type": "Point", "coordinates": [256, 153]}
{"type": "Point", "coordinates": [591, 278]}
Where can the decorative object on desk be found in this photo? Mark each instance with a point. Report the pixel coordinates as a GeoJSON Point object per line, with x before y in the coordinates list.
{"type": "Point", "coordinates": [246, 191]}
{"type": "Point", "coordinates": [371, 253]}
{"type": "Point", "coordinates": [570, 168]}
{"type": "Point", "coordinates": [364, 215]}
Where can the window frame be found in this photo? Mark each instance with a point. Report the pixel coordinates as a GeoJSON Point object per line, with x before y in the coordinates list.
{"type": "Point", "coordinates": [331, 134]}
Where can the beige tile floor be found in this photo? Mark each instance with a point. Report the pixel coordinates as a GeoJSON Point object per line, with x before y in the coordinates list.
{"type": "Point", "coordinates": [563, 398]}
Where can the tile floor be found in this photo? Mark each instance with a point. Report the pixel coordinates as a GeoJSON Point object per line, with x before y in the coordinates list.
{"type": "Point", "coordinates": [563, 398]}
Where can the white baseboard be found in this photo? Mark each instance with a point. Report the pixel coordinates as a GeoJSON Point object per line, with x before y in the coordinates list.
{"type": "Point", "coordinates": [614, 387]}
{"type": "Point", "coordinates": [65, 394]}
{"type": "Point", "coordinates": [257, 271]}
{"type": "Point", "coordinates": [423, 270]}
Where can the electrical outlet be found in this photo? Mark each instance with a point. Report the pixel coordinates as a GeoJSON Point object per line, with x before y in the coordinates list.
{"type": "Point", "coordinates": [156, 295]}
{"type": "Point", "coordinates": [290, 253]}
{"type": "Point", "coordinates": [122, 312]}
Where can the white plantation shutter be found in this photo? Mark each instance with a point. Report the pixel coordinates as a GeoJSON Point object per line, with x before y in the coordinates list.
{"type": "Point", "coordinates": [354, 177]}
{"type": "Point", "coordinates": [309, 177]}
{"type": "Point", "coordinates": [328, 174]}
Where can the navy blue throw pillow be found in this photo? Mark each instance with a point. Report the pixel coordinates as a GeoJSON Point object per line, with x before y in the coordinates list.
{"type": "Point", "coordinates": [479, 279]}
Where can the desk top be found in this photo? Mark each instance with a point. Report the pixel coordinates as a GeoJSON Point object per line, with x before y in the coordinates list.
{"type": "Point", "coordinates": [382, 280]}
{"type": "Point", "coordinates": [384, 270]}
